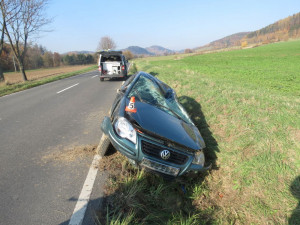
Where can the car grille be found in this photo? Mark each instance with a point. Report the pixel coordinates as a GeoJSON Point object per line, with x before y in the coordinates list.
{"type": "Point", "coordinates": [154, 151]}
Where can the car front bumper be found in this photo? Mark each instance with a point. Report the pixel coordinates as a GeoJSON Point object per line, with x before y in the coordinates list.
{"type": "Point", "coordinates": [135, 153]}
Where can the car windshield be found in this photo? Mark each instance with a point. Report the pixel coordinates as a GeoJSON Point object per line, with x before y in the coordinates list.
{"type": "Point", "coordinates": [148, 91]}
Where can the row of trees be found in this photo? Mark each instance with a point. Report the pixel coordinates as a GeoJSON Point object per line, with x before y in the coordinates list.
{"type": "Point", "coordinates": [79, 59]}
{"type": "Point", "coordinates": [39, 57]}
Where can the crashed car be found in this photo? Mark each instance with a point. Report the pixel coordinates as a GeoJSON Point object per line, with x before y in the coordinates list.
{"type": "Point", "coordinates": [148, 125]}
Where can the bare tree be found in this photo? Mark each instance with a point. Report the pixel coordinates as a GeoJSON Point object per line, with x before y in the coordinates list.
{"type": "Point", "coordinates": [106, 43]}
{"type": "Point", "coordinates": [28, 21]}
{"type": "Point", "coordinates": [188, 50]}
{"type": "Point", "coordinates": [11, 8]}
{"type": "Point", "coordinates": [56, 59]}
{"type": "Point", "coordinates": [3, 22]}
{"type": "Point", "coordinates": [128, 54]}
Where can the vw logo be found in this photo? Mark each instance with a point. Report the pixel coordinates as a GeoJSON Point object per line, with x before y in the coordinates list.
{"type": "Point", "coordinates": [165, 154]}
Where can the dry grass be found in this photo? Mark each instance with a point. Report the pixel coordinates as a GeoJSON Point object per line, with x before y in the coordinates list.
{"type": "Point", "coordinates": [133, 196]}
{"type": "Point", "coordinates": [68, 154]}
{"type": "Point", "coordinates": [13, 77]}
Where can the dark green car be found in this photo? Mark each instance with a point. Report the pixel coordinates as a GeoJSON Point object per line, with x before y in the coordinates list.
{"type": "Point", "coordinates": [149, 126]}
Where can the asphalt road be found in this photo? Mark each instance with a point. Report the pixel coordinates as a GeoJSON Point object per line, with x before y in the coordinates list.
{"type": "Point", "coordinates": [40, 179]}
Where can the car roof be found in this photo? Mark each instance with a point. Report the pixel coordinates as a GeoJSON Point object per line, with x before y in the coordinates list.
{"type": "Point", "coordinates": [110, 52]}
{"type": "Point", "coordinates": [163, 86]}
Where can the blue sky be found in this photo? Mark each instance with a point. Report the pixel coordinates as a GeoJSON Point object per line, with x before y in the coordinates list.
{"type": "Point", "coordinates": [174, 24]}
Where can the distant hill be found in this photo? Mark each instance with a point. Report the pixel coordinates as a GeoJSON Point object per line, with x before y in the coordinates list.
{"type": "Point", "coordinates": [281, 30]}
{"type": "Point", "coordinates": [158, 50]}
{"type": "Point", "coordinates": [150, 51]}
{"type": "Point", "coordinates": [226, 42]}
{"type": "Point", "coordinates": [136, 50]}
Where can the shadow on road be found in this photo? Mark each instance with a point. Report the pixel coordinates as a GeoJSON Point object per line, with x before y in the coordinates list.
{"type": "Point", "coordinates": [90, 217]}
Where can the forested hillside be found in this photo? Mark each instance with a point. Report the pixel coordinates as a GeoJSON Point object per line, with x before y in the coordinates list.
{"type": "Point", "coordinates": [282, 30]}
{"type": "Point", "coordinates": [226, 42]}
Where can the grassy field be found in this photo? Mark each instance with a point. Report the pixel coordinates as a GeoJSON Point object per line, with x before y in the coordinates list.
{"type": "Point", "coordinates": [246, 104]}
{"type": "Point", "coordinates": [14, 82]}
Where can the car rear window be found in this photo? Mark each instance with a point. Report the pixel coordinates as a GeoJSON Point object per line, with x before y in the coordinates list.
{"type": "Point", "coordinates": [110, 58]}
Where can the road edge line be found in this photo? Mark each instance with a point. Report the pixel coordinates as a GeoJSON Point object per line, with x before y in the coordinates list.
{"type": "Point", "coordinates": [84, 197]}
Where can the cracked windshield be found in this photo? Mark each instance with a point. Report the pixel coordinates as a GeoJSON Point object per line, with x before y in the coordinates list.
{"type": "Point", "coordinates": [146, 90]}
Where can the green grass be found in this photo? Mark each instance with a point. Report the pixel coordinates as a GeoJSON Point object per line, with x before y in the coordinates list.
{"type": "Point", "coordinates": [9, 89]}
{"type": "Point", "coordinates": [136, 197]}
{"type": "Point", "coordinates": [246, 104]}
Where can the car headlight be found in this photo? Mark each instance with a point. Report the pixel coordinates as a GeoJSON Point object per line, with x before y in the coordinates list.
{"type": "Point", "coordinates": [125, 130]}
{"type": "Point", "coordinates": [199, 158]}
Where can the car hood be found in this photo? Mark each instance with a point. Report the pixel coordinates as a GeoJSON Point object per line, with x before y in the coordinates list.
{"type": "Point", "coordinates": [167, 126]}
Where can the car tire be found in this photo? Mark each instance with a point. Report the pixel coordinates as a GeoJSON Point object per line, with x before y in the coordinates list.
{"type": "Point", "coordinates": [103, 145]}
{"type": "Point", "coordinates": [101, 79]}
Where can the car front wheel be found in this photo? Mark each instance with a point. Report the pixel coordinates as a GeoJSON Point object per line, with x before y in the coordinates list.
{"type": "Point", "coordinates": [103, 145]}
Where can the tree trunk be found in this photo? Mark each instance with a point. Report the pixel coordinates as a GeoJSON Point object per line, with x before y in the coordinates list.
{"type": "Point", "coordinates": [1, 47]}
{"type": "Point", "coordinates": [22, 69]}
{"type": "Point", "coordinates": [1, 74]}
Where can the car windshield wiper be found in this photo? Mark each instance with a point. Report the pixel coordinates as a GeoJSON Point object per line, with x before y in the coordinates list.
{"type": "Point", "coordinates": [159, 105]}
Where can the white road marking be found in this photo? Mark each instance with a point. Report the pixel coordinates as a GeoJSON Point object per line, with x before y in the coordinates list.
{"type": "Point", "coordinates": [94, 76]}
{"type": "Point", "coordinates": [84, 197]}
{"type": "Point", "coordinates": [67, 88]}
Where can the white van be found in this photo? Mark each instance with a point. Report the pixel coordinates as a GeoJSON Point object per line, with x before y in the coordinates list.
{"type": "Point", "coordinates": [112, 64]}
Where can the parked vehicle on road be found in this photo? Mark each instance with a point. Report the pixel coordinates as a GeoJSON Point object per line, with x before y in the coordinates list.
{"type": "Point", "coordinates": [149, 126]}
{"type": "Point", "coordinates": [112, 64]}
